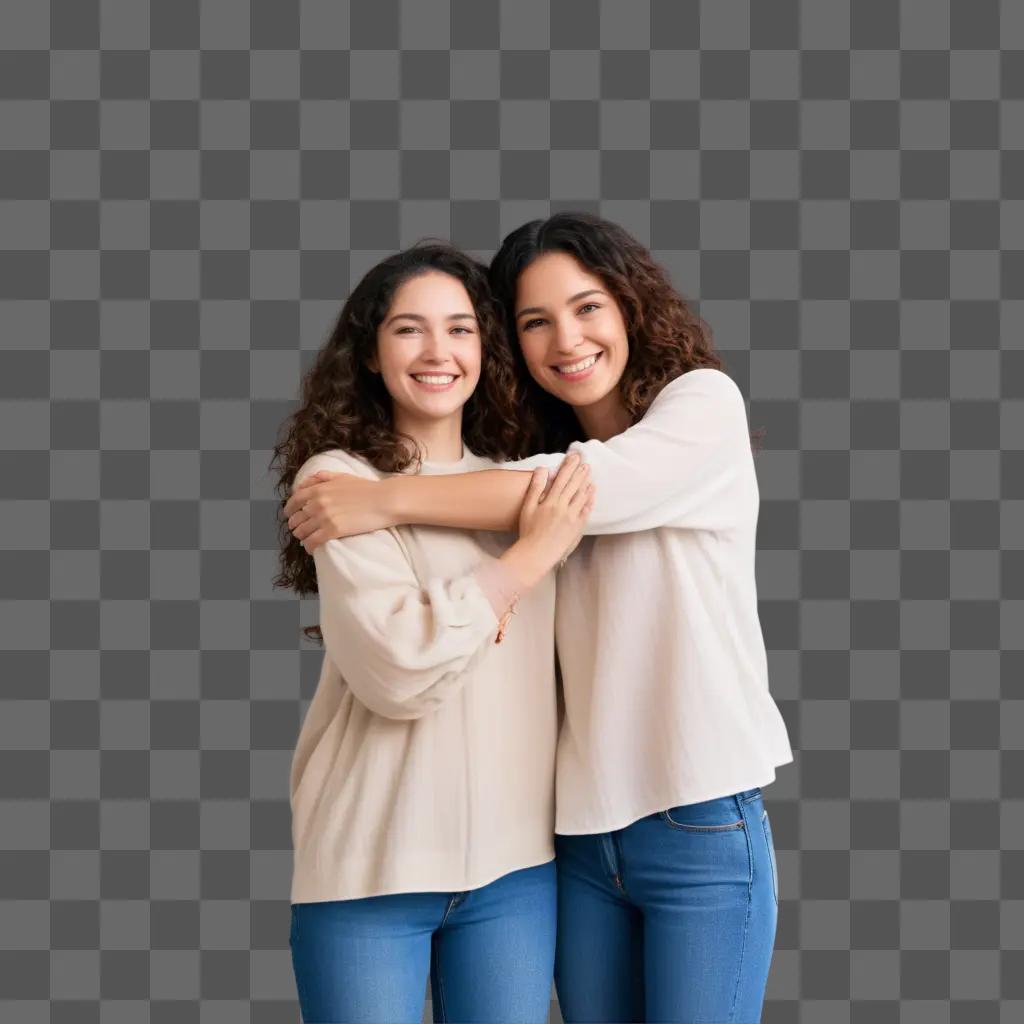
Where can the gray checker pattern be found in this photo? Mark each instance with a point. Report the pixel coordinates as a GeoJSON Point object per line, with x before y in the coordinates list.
{"type": "Point", "coordinates": [186, 192]}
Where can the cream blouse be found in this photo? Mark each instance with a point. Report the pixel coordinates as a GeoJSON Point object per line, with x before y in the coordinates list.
{"type": "Point", "coordinates": [426, 760]}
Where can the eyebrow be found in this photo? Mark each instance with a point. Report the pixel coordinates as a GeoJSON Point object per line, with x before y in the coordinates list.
{"type": "Point", "coordinates": [423, 319]}
{"type": "Point", "coordinates": [569, 301]}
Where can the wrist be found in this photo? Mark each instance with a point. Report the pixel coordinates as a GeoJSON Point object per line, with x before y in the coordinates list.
{"type": "Point", "coordinates": [501, 584]}
{"type": "Point", "coordinates": [529, 561]}
{"type": "Point", "coordinates": [392, 508]}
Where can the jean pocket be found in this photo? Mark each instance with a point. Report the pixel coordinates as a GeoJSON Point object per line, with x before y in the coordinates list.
{"type": "Point", "coordinates": [719, 815]}
{"type": "Point", "coordinates": [771, 854]}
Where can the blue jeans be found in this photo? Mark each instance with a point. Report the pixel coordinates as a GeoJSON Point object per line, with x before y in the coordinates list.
{"type": "Point", "coordinates": [489, 952]}
{"type": "Point", "coordinates": [671, 918]}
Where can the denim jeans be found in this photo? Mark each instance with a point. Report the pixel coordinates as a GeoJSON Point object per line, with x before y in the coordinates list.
{"type": "Point", "coordinates": [671, 919]}
{"type": "Point", "coordinates": [489, 953]}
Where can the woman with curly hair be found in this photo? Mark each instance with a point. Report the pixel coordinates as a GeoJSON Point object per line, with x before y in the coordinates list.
{"type": "Point", "coordinates": [422, 784]}
{"type": "Point", "coordinates": [668, 889]}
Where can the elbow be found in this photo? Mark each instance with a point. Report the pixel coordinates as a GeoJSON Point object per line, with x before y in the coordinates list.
{"type": "Point", "coordinates": [387, 704]}
{"type": "Point", "coordinates": [418, 697]}
{"type": "Point", "coordinates": [408, 711]}
{"type": "Point", "coordinates": [401, 687]}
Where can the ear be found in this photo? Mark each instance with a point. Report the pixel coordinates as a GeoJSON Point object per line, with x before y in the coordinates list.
{"type": "Point", "coordinates": [372, 363]}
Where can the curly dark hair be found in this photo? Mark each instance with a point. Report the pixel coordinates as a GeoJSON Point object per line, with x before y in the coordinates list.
{"type": "Point", "coordinates": [345, 405]}
{"type": "Point", "coordinates": [666, 337]}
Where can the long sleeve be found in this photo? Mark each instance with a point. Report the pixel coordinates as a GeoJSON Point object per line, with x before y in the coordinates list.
{"type": "Point", "coordinates": [402, 647]}
{"type": "Point", "coordinates": [687, 463]}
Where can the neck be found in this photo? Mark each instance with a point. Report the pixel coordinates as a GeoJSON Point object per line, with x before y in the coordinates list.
{"type": "Point", "coordinates": [604, 418]}
{"type": "Point", "coordinates": [440, 440]}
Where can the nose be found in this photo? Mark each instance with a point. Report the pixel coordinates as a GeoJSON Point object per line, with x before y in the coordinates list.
{"type": "Point", "coordinates": [435, 348]}
{"type": "Point", "coordinates": [567, 337]}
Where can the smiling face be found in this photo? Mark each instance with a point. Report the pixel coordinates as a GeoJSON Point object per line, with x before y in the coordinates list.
{"type": "Point", "coordinates": [570, 329]}
{"type": "Point", "coordinates": [428, 350]}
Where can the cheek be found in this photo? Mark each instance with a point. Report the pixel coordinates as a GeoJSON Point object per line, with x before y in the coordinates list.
{"type": "Point", "coordinates": [387, 371]}
{"type": "Point", "coordinates": [391, 358]}
{"type": "Point", "coordinates": [395, 383]}
{"type": "Point", "coordinates": [616, 340]}
{"type": "Point", "coordinates": [534, 350]}
{"type": "Point", "coordinates": [472, 361]}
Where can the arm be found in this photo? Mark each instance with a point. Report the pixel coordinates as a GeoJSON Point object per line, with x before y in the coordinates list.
{"type": "Point", "coordinates": [403, 649]}
{"type": "Point", "coordinates": [687, 463]}
{"type": "Point", "coordinates": [489, 499]}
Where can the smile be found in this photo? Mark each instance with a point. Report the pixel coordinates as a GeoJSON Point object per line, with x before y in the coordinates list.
{"type": "Point", "coordinates": [434, 381]}
{"type": "Point", "coordinates": [578, 370]}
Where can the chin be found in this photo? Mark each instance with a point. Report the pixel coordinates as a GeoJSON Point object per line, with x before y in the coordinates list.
{"type": "Point", "coordinates": [438, 412]}
{"type": "Point", "coordinates": [584, 393]}
{"type": "Point", "coordinates": [439, 409]}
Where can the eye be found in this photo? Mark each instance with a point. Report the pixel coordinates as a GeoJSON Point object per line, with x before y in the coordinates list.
{"type": "Point", "coordinates": [532, 323]}
{"type": "Point", "coordinates": [461, 330]}
{"type": "Point", "coordinates": [407, 330]}
{"type": "Point", "coordinates": [587, 307]}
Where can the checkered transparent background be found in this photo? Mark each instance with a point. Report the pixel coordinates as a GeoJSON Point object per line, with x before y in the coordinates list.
{"type": "Point", "coordinates": [187, 191]}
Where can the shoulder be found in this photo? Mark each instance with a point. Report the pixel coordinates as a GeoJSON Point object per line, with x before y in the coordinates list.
{"type": "Point", "coordinates": [712, 386]}
{"type": "Point", "coordinates": [704, 379]}
{"type": "Point", "coordinates": [336, 460]}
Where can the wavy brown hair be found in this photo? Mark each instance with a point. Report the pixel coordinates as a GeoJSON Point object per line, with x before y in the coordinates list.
{"type": "Point", "coordinates": [345, 405]}
{"type": "Point", "coordinates": [666, 337]}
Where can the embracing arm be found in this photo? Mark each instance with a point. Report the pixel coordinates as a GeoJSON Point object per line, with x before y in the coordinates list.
{"type": "Point", "coordinates": [489, 499]}
{"type": "Point", "coordinates": [404, 646]}
{"type": "Point", "coordinates": [687, 463]}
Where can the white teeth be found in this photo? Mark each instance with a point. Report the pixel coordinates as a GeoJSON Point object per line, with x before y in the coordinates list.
{"type": "Point", "coordinates": [577, 367]}
{"type": "Point", "coordinates": [431, 378]}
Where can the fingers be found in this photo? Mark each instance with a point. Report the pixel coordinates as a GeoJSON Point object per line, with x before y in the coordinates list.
{"type": "Point", "coordinates": [305, 519]}
{"type": "Point", "coordinates": [299, 516]}
{"type": "Point", "coordinates": [303, 530]}
{"type": "Point", "coordinates": [562, 477]}
{"type": "Point", "coordinates": [578, 483]}
{"type": "Point", "coordinates": [579, 480]}
{"type": "Point", "coordinates": [570, 475]}
{"type": "Point", "coordinates": [298, 497]}
{"type": "Point", "coordinates": [579, 500]}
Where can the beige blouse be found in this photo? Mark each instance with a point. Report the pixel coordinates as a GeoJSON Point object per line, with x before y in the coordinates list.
{"type": "Point", "coordinates": [426, 759]}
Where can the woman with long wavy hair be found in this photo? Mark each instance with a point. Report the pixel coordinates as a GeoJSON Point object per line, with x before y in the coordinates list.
{"type": "Point", "coordinates": [422, 784]}
{"type": "Point", "coordinates": [668, 889]}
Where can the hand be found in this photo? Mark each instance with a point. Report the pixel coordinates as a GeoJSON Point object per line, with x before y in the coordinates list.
{"type": "Point", "coordinates": [552, 518]}
{"type": "Point", "coordinates": [328, 505]}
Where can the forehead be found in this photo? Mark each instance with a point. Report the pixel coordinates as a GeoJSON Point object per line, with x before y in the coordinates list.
{"type": "Point", "coordinates": [555, 273]}
{"type": "Point", "coordinates": [429, 290]}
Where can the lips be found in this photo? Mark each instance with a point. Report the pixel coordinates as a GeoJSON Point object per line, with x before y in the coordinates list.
{"type": "Point", "coordinates": [435, 382]}
{"type": "Point", "coordinates": [579, 369]}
